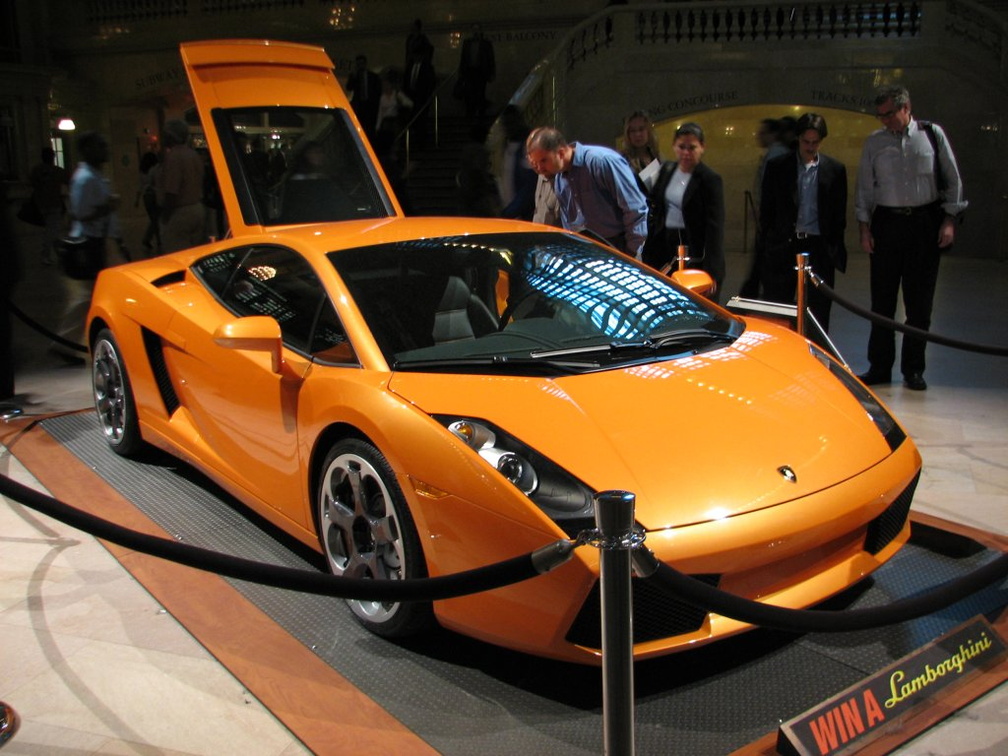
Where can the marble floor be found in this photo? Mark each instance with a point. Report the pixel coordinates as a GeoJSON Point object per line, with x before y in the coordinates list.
{"type": "Point", "coordinates": [93, 664]}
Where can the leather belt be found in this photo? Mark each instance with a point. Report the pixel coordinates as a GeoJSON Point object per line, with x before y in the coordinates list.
{"type": "Point", "coordinates": [805, 235]}
{"type": "Point", "coordinates": [918, 210]}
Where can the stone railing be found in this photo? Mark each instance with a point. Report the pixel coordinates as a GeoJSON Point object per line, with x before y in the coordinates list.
{"type": "Point", "coordinates": [953, 23]}
{"type": "Point", "coordinates": [137, 11]}
{"type": "Point", "coordinates": [740, 23]}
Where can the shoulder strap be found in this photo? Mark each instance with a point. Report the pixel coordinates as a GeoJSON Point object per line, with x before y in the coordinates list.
{"type": "Point", "coordinates": [928, 129]}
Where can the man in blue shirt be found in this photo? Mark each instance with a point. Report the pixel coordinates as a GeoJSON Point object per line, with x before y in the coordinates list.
{"type": "Point", "coordinates": [595, 186]}
{"type": "Point", "coordinates": [93, 217]}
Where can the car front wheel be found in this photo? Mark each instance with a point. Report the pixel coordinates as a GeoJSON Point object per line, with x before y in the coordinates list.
{"type": "Point", "coordinates": [367, 531]}
{"type": "Point", "coordinates": [113, 396]}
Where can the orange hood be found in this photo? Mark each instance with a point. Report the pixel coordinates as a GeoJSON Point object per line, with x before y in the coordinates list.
{"type": "Point", "coordinates": [660, 430]}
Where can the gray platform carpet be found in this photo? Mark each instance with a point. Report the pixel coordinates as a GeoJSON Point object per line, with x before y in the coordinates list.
{"type": "Point", "coordinates": [466, 697]}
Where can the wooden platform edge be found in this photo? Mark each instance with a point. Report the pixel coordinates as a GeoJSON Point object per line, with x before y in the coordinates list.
{"type": "Point", "coordinates": [940, 708]}
{"type": "Point", "coordinates": [320, 707]}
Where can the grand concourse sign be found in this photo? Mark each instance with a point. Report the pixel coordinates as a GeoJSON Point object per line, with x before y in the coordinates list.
{"type": "Point", "coordinates": [850, 720]}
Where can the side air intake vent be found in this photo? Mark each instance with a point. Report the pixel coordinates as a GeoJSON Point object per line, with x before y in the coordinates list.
{"type": "Point", "coordinates": [169, 279]}
{"type": "Point", "coordinates": [155, 356]}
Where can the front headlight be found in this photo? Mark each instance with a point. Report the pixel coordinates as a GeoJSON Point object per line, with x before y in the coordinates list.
{"type": "Point", "coordinates": [879, 415]}
{"type": "Point", "coordinates": [562, 497]}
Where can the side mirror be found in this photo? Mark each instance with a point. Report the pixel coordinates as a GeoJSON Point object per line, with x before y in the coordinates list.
{"type": "Point", "coordinates": [696, 280]}
{"type": "Point", "coordinates": [258, 333]}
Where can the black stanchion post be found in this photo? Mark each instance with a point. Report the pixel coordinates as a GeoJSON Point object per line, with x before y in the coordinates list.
{"type": "Point", "coordinates": [803, 270]}
{"type": "Point", "coordinates": [614, 516]}
{"type": "Point", "coordinates": [9, 723]}
{"type": "Point", "coordinates": [437, 124]}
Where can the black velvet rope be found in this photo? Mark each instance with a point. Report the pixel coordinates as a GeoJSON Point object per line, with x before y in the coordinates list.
{"type": "Point", "coordinates": [35, 325]}
{"type": "Point", "coordinates": [823, 287]}
{"type": "Point", "coordinates": [504, 573]}
{"type": "Point", "coordinates": [480, 579]}
{"type": "Point", "coordinates": [709, 598]}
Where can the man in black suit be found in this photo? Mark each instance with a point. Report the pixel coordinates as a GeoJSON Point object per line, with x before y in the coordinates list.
{"type": "Point", "coordinates": [477, 68]}
{"type": "Point", "coordinates": [419, 82]}
{"type": "Point", "coordinates": [364, 88]}
{"type": "Point", "coordinates": [803, 208]}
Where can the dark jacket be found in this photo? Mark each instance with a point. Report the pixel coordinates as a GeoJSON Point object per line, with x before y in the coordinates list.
{"type": "Point", "coordinates": [703, 214]}
{"type": "Point", "coordinates": [366, 88]}
{"type": "Point", "coordinates": [779, 205]}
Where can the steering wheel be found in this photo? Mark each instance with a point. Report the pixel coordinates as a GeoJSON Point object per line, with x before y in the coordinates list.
{"type": "Point", "coordinates": [513, 305]}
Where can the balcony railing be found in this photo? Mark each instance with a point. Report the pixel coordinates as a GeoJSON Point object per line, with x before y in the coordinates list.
{"type": "Point", "coordinates": [728, 25]}
{"type": "Point", "coordinates": [767, 23]}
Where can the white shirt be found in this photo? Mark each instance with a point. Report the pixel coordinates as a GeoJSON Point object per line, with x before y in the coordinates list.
{"type": "Point", "coordinates": [897, 170]}
{"type": "Point", "coordinates": [674, 193]}
{"type": "Point", "coordinates": [89, 190]}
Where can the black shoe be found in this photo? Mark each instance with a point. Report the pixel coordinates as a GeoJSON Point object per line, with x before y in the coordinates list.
{"type": "Point", "coordinates": [9, 408]}
{"type": "Point", "coordinates": [874, 378]}
{"type": "Point", "coordinates": [915, 381]}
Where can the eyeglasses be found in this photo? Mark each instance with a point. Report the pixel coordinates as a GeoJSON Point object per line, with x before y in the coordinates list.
{"type": "Point", "coordinates": [887, 114]}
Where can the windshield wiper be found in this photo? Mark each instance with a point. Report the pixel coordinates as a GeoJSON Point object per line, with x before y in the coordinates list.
{"type": "Point", "coordinates": [498, 363]}
{"type": "Point", "coordinates": [696, 336]}
{"type": "Point", "coordinates": [690, 337]}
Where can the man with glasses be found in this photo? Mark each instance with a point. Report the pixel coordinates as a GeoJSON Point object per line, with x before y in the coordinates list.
{"type": "Point", "coordinates": [909, 194]}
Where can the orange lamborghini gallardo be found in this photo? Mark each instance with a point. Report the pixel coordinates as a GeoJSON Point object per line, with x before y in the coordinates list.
{"type": "Point", "coordinates": [421, 396]}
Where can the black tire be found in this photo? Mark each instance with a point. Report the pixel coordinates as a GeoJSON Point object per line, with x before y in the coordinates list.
{"type": "Point", "coordinates": [113, 396]}
{"type": "Point", "coordinates": [366, 531]}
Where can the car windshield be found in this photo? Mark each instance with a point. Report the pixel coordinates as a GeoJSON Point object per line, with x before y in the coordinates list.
{"type": "Point", "coordinates": [524, 304]}
{"type": "Point", "coordinates": [298, 165]}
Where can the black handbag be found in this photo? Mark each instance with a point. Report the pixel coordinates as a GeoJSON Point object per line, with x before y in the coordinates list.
{"type": "Point", "coordinates": [29, 213]}
{"type": "Point", "coordinates": [81, 257]}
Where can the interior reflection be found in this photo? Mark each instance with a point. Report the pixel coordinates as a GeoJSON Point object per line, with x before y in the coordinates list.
{"type": "Point", "coordinates": [528, 303]}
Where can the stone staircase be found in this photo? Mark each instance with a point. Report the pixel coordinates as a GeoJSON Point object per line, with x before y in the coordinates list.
{"type": "Point", "coordinates": [430, 186]}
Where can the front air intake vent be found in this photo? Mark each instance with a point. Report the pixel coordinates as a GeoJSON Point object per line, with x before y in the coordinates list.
{"type": "Point", "coordinates": [888, 525]}
{"type": "Point", "coordinates": [656, 614]}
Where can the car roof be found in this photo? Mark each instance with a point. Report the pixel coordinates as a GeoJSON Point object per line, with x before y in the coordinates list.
{"type": "Point", "coordinates": [322, 239]}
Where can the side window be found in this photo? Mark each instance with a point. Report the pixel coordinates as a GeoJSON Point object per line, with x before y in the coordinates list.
{"type": "Point", "coordinates": [278, 282]}
{"type": "Point", "coordinates": [216, 270]}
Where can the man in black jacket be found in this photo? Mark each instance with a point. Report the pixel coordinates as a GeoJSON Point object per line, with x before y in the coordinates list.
{"type": "Point", "coordinates": [365, 88]}
{"type": "Point", "coordinates": [803, 208]}
{"type": "Point", "coordinates": [477, 68]}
